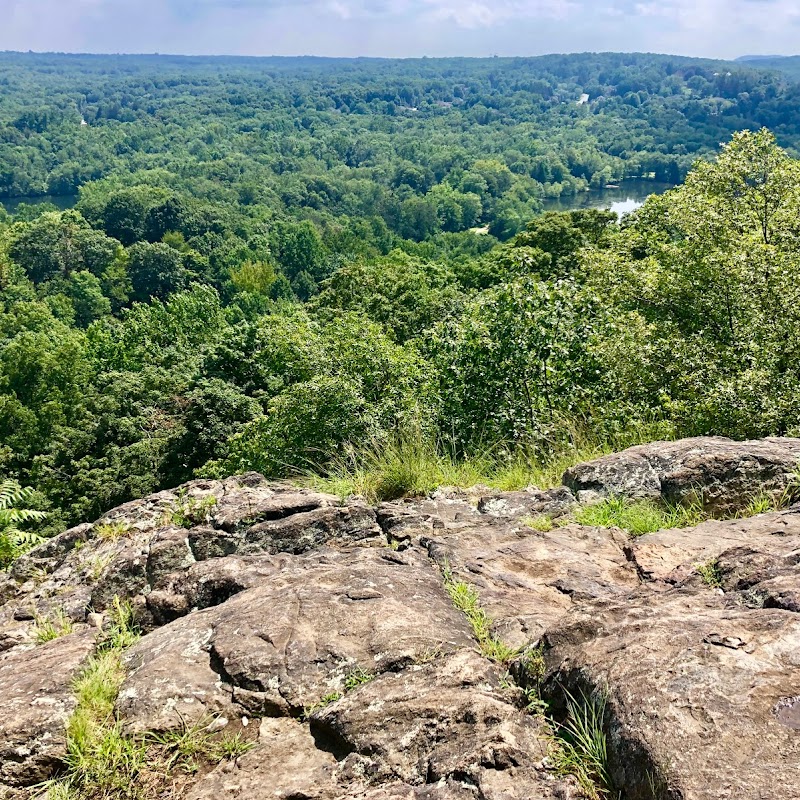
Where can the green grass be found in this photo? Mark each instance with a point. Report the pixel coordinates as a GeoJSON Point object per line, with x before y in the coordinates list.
{"type": "Point", "coordinates": [109, 531]}
{"type": "Point", "coordinates": [54, 626]}
{"type": "Point", "coordinates": [638, 517]}
{"type": "Point", "coordinates": [190, 511]}
{"type": "Point", "coordinates": [409, 465]}
{"type": "Point", "coordinates": [103, 762]}
{"type": "Point", "coordinates": [194, 744]}
{"type": "Point", "coordinates": [465, 599]}
{"type": "Point", "coordinates": [323, 702]}
{"type": "Point", "coordinates": [580, 748]}
{"type": "Point", "coordinates": [540, 522]}
{"type": "Point", "coordinates": [357, 677]}
{"type": "Point", "coordinates": [710, 573]}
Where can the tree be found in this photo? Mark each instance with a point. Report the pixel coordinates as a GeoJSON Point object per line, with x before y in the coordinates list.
{"type": "Point", "coordinates": [59, 243]}
{"type": "Point", "coordinates": [155, 270]}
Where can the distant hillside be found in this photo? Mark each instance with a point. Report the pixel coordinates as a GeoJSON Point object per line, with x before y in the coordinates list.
{"type": "Point", "coordinates": [758, 58]}
{"type": "Point", "coordinates": [788, 65]}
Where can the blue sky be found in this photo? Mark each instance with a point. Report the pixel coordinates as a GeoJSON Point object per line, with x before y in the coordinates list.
{"type": "Point", "coordinates": [715, 28]}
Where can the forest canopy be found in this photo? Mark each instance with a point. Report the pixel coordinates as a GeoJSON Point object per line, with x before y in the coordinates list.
{"type": "Point", "coordinates": [272, 262]}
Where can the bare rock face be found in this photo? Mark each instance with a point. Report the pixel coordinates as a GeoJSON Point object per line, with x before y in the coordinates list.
{"type": "Point", "coordinates": [327, 628]}
{"type": "Point", "coordinates": [721, 473]}
{"type": "Point", "coordinates": [36, 700]}
{"type": "Point", "coordinates": [294, 639]}
{"type": "Point", "coordinates": [134, 549]}
{"type": "Point", "coordinates": [528, 579]}
{"type": "Point", "coordinates": [436, 721]}
{"type": "Point", "coordinates": [438, 730]}
{"type": "Point", "coordinates": [701, 692]}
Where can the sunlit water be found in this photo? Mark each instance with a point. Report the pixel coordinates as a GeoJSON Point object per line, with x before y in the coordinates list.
{"type": "Point", "coordinates": [630, 195]}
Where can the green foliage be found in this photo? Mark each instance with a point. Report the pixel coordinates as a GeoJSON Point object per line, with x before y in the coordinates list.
{"type": "Point", "coordinates": [322, 703]}
{"type": "Point", "coordinates": [711, 573]}
{"type": "Point", "coordinates": [241, 295]}
{"type": "Point", "coordinates": [465, 599]}
{"type": "Point", "coordinates": [101, 761]}
{"type": "Point", "coordinates": [111, 530]}
{"type": "Point", "coordinates": [638, 517]}
{"type": "Point", "coordinates": [517, 364]}
{"type": "Point", "coordinates": [357, 677]}
{"type": "Point", "coordinates": [190, 511]}
{"type": "Point", "coordinates": [191, 745]}
{"type": "Point", "coordinates": [53, 626]}
{"type": "Point", "coordinates": [14, 541]}
{"type": "Point", "coordinates": [541, 522]}
{"type": "Point", "coordinates": [580, 747]}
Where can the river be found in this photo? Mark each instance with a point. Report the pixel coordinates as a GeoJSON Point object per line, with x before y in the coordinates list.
{"type": "Point", "coordinates": [628, 197]}
{"type": "Point", "coordinates": [61, 202]}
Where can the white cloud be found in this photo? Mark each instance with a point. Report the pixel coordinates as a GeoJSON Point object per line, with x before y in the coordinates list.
{"type": "Point", "coordinates": [717, 28]}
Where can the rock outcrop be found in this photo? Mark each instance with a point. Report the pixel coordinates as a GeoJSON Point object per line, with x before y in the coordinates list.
{"type": "Point", "coordinates": [325, 632]}
{"type": "Point", "coordinates": [720, 473]}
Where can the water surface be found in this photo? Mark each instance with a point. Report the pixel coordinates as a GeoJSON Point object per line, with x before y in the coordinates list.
{"type": "Point", "coordinates": [628, 197]}
{"type": "Point", "coordinates": [61, 202]}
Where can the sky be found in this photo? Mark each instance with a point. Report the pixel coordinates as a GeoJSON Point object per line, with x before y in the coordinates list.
{"type": "Point", "coordinates": [402, 28]}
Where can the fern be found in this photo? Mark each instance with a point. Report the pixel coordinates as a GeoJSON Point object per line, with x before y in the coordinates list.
{"type": "Point", "coordinates": [14, 541]}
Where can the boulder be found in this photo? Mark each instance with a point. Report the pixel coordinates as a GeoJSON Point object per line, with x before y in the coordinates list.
{"type": "Point", "coordinates": [295, 638]}
{"type": "Point", "coordinates": [132, 550]}
{"type": "Point", "coordinates": [703, 692]}
{"type": "Point", "coordinates": [432, 723]}
{"type": "Point", "coordinates": [36, 699]}
{"type": "Point", "coordinates": [438, 731]}
{"type": "Point", "coordinates": [672, 555]}
{"type": "Point", "coordinates": [722, 474]}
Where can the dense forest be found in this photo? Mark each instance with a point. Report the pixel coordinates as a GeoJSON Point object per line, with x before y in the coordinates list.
{"type": "Point", "coordinates": [289, 264]}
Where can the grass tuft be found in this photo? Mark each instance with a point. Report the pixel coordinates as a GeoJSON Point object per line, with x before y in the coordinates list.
{"type": "Point", "coordinates": [410, 465]}
{"type": "Point", "coordinates": [54, 626]}
{"type": "Point", "coordinates": [190, 511]}
{"type": "Point", "coordinates": [580, 748]}
{"type": "Point", "coordinates": [639, 517]}
{"type": "Point", "coordinates": [110, 531]}
{"type": "Point", "coordinates": [194, 744]}
{"type": "Point", "coordinates": [466, 600]}
{"type": "Point", "coordinates": [540, 522]}
{"type": "Point", "coordinates": [710, 573]}
{"type": "Point", "coordinates": [357, 677]}
{"type": "Point", "coordinates": [323, 702]}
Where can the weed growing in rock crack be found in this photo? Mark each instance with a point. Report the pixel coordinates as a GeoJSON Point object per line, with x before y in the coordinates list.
{"type": "Point", "coordinates": [97, 566]}
{"type": "Point", "coordinates": [320, 704]}
{"type": "Point", "coordinates": [711, 573]}
{"type": "Point", "coordinates": [109, 531]}
{"type": "Point", "coordinates": [101, 761]}
{"type": "Point", "coordinates": [196, 743]}
{"type": "Point", "coordinates": [540, 522]}
{"type": "Point", "coordinates": [532, 669]}
{"type": "Point", "coordinates": [579, 747]}
{"type": "Point", "coordinates": [466, 600]}
{"type": "Point", "coordinates": [104, 763]}
{"type": "Point", "coordinates": [123, 632]}
{"type": "Point", "coordinates": [357, 677]}
{"type": "Point", "coordinates": [428, 655]}
{"type": "Point", "coordinates": [638, 517]}
{"type": "Point", "coordinates": [190, 511]}
{"type": "Point", "coordinates": [53, 626]}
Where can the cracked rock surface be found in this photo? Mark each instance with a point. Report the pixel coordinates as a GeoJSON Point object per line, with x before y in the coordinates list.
{"type": "Point", "coordinates": [326, 629]}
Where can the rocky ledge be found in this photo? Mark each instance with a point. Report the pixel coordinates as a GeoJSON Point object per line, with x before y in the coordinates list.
{"type": "Point", "coordinates": [325, 632]}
